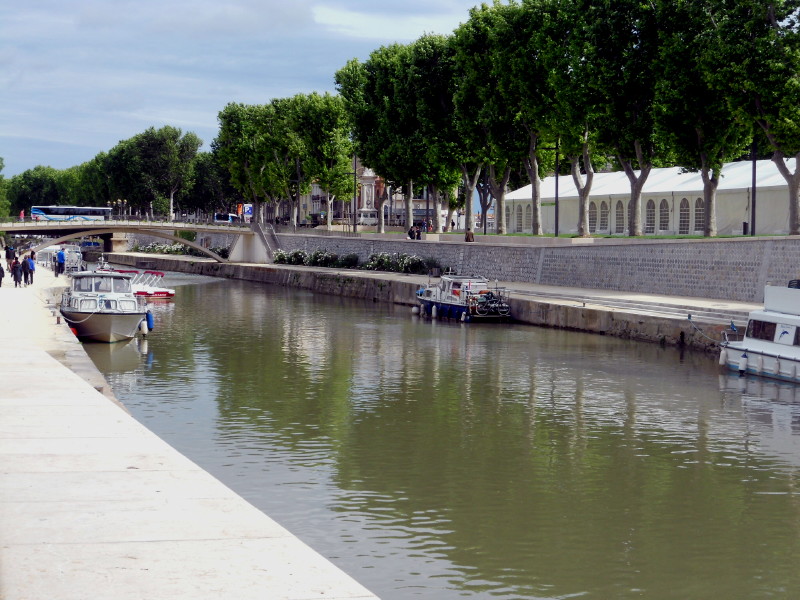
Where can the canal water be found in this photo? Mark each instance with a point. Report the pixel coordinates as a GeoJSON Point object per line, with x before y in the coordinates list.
{"type": "Point", "coordinates": [444, 461]}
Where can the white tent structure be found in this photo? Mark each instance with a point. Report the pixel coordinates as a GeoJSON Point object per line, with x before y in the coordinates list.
{"type": "Point", "coordinates": [672, 202]}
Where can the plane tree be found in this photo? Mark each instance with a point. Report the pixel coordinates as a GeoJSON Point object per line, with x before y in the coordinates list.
{"type": "Point", "coordinates": [429, 83]}
{"type": "Point", "coordinates": [487, 120]}
{"type": "Point", "coordinates": [524, 76]}
{"type": "Point", "coordinates": [321, 121]}
{"type": "Point", "coordinates": [385, 130]}
{"type": "Point", "coordinates": [694, 118]}
{"type": "Point", "coordinates": [619, 45]}
{"type": "Point", "coordinates": [167, 160]}
{"type": "Point", "coordinates": [754, 59]}
{"type": "Point", "coordinates": [242, 150]}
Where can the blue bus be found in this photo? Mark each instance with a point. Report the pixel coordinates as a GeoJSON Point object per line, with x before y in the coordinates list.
{"type": "Point", "coordinates": [70, 213]}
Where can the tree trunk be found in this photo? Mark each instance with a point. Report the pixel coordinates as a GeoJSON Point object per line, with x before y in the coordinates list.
{"type": "Point", "coordinates": [532, 167]}
{"type": "Point", "coordinates": [584, 188]}
{"type": "Point", "coordinates": [793, 182]}
{"type": "Point", "coordinates": [410, 204]}
{"type": "Point", "coordinates": [380, 201]}
{"type": "Point", "coordinates": [470, 182]}
{"type": "Point", "coordinates": [637, 184]}
{"type": "Point", "coordinates": [710, 184]}
{"type": "Point", "coordinates": [498, 189]}
{"type": "Point", "coordinates": [328, 210]}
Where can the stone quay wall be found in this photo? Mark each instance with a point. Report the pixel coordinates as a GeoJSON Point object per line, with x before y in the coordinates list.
{"type": "Point", "coordinates": [394, 288]}
{"type": "Point", "coordinates": [731, 269]}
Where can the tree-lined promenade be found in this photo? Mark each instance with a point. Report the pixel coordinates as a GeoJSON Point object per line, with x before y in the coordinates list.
{"type": "Point", "coordinates": [623, 85]}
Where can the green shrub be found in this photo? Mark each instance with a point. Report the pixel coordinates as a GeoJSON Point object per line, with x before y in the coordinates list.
{"type": "Point", "coordinates": [297, 257]}
{"type": "Point", "coordinates": [348, 261]}
{"type": "Point", "coordinates": [321, 258]}
{"type": "Point", "coordinates": [280, 257]}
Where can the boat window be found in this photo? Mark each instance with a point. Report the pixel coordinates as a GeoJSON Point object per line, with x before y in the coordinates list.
{"type": "Point", "coordinates": [102, 284]}
{"type": "Point", "coordinates": [761, 330]}
{"type": "Point", "coordinates": [88, 304]}
{"type": "Point", "coordinates": [122, 285]}
{"type": "Point", "coordinates": [127, 305]}
{"type": "Point", "coordinates": [108, 305]}
{"type": "Point", "coordinates": [82, 284]}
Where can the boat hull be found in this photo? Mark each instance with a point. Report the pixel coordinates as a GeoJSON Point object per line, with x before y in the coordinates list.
{"type": "Point", "coordinates": [752, 362]}
{"type": "Point", "coordinates": [461, 312]}
{"type": "Point", "coordinates": [103, 327]}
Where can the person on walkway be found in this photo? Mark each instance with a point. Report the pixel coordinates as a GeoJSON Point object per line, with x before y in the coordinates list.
{"type": "Point", "coordinates": [9, 256]}
{"type": "Point", "coordinates": [417, 233]}
{"type": "Point", "coordinates": [2, 274]}
{"type": "Point", "coordinates": [411, 235]}
{"type": "Point", "coordinates": [60, 260]}
{"type": "Point", "coordinates": [26, 271]}
{"type": "Point", "coordinates": [16, 272]}
{"type": "Point", "coordinates": [31, 267]}
{"type": "Point", "coordinates": [469, 236]}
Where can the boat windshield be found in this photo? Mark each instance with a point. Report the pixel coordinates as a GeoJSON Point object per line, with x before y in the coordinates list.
{"type": "Point", "coordinates": [117, 285]}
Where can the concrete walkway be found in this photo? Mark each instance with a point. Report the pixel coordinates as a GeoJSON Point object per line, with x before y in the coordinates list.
{"type": "Point", "coordinates": [93, 505]}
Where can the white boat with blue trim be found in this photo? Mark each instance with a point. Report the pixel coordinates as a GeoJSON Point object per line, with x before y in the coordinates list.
{"type": "Point", "coordinates": [770, 346]}
{"type": "Point", "coordinates": [101, 307]}
{"type": "Point", "coordinates": [463, 297]}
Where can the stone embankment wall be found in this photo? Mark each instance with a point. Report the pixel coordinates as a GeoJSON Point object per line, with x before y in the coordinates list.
{"type": "Point", "coordinates": [401, 289]}
{"type": "Point", "coordinates": [731, 269]}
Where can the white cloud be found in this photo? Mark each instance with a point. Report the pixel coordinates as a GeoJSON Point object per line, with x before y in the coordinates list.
{"type": "Point", "coordinates": [402, 27]}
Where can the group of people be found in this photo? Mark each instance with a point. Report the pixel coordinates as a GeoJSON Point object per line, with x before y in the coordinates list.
{"type": "Point", "coordinates": [414, 233]}
{"type": "Point", "coordinates": [20, 269]}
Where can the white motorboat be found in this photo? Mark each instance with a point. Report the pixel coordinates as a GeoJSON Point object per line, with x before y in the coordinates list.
{"type": "Point", "coordinates": [101, 307]}
{"type": "Point", "coordinates": [770, 346]}
{"type": "Point", "coordinates": [144, 284]}
{"type": "Point", "coordinates": [465, 298]}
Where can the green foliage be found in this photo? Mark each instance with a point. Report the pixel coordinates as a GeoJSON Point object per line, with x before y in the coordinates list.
{"type": "Point", "coordinates": [321, 258]}
{"type": "Point", "coordinates": [190, 236]}
{"type": "Point", "coordinates": [397, 263]}
{"type": "Point", "coordinates": [297, 257]}
{"type": "Point", "coordinates": [347, 261]}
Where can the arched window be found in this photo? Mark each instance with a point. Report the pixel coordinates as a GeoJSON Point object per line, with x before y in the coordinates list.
{"type": "Point", "coordinates": [699, 215]}
{"type": "Point", "coordinates": [650, 217]}
{"type": "Point", "coordinates": [620, 218]}
{"type": "Point", "coordinates": [663, 215]}
{"type": "Point", "coordinates": [592, 217]}
{"type": "Point", "coordinates": [518, 228]}
{"type": "Point", "coordinates": [528, 218]}
{"type": "Point", "coordinates": [603, 226]}
{"type": "Point", "coordinates": [684, 218]}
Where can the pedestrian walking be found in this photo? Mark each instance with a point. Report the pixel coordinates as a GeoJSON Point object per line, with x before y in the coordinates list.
{"type": "Point", "coordinates": [2, 274]}
{"type": "Point", "coordinates": [9, 256]}
{"type": "Point", "coordinates": [16, 272]}
{"type": "Point", "coordinates": [26, 271]}
{"type": "Point", "coordinates": [31, 267]}
{"type": "Point", "coordinates": [61, 258]}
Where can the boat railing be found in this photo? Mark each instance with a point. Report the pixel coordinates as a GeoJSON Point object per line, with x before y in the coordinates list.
{"type": "Point", "coordinates": [732, 335]}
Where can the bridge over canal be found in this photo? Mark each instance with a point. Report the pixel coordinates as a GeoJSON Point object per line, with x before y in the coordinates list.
{"type": "Point", "coordinates": [254, 243]}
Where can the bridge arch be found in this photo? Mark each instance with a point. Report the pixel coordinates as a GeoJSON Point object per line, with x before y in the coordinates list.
{"type": "Point", "coordinates": [154, 233]}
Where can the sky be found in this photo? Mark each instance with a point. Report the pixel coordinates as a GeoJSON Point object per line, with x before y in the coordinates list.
{"type": "Point", "coordinates": [79, 76]}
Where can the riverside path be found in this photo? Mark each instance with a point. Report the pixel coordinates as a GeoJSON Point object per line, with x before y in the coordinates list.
{"type": "Point", "coordinates": [93, 505]}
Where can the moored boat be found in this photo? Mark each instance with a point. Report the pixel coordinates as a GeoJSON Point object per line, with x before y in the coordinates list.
{"type": "Point", "coordinates": [144, 284]}
{"type": "Point", "coordinates": [101, 307]}
{"type": "Point", "coordinates": [465, 298]}
{"type": "Point", "coordinates": [770, 345]}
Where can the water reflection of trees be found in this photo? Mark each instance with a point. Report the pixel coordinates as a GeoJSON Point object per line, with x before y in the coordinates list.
{"type": "Point", "coordinates": [544, 462]}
